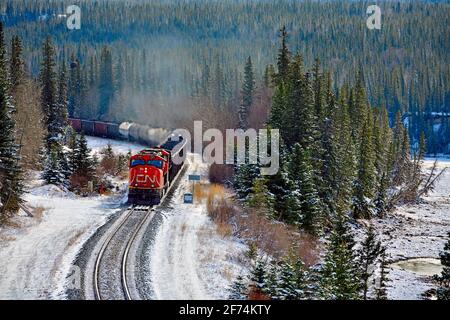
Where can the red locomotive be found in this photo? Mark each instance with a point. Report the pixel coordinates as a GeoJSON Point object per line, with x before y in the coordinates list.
{"type": "Point", "coordinates": [152, 172]}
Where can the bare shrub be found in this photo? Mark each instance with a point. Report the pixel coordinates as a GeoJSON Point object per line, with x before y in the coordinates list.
{"type": "Point", "coordinates": [30, 129]}
{"type": "Point", "coordinates": [273, 237]}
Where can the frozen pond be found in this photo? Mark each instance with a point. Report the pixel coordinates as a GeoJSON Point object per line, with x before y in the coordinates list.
{"type": "Point", "coordinates": [420, 266]}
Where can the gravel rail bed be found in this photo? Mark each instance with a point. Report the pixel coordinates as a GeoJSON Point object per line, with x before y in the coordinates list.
{"type": "Point", "coordinates": [82, 259]}
{"type": "Point", "coordinates": [141, 267]}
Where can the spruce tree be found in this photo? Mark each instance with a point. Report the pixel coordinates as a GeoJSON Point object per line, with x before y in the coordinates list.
{"type": "Point", "coordinates": [367, 256]}
{"type": "Point", "coordinates": [339, 274]}
{"type": "Point", "coordinates": [238, 290]}
{"type": "Point", "coordinates": [248, 89]}
{"type": "Point", "coordinates": [84, 165]}
{"type": "Point", "coordinates": [53, 173]}
{"type": "Point", "coordinates": [291, 279]}
{"type": "Point", "coordinates": [54, 106]}
{"type": "Point", "coordinates": [344, 150]}
{"type": "Point", "coordinates": [75, 88]}
{"type": "Point", "coordinates": [284, 57]}
{"type": "Point", "coordinates": [258, 276]}
{"type": "Point", "coordinates": [381, 290]}
{"type": "Point", "coordinates": [365, 183]}
{"type": "Point", "coordinates": [106, 83]}
{"type": "Point", "coordinates": [16, 63]}
{"type": "Point", "coordinates": [244, 178]}
{"type": "Point", "coordinates": [278, 110]}
{"type": "Point", "coordinates": [11, 187]}
{"type": "Point", "coordinates": [303, 200]}
{"type": "Point", "coordinates": [260, 198]}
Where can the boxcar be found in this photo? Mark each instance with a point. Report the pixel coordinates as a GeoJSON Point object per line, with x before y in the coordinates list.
{"type": "Point", "coordinates": [113, 130]}
{"type": "Point", "coordinates": [100, 129]}
{"type": "Point", "coordinates": [87, 127]}
{"type": "Point", "coordinates": [75, 124]}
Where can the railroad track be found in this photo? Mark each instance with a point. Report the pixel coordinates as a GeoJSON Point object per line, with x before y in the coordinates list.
{"type": "Point", "coordinates": [110, 283]}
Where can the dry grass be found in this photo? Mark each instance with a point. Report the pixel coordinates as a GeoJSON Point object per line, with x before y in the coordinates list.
{"type": "Point", "coordinates": [273, 237]}
{"type": "Point", "coordinates": [270, 236]}
{"type": "Point", "coordinates": [224, 229]}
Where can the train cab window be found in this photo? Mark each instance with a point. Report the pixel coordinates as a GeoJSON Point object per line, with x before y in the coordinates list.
{"type": "Point", "coordinates": [155, 163]}
{"type": "Point", "coordinates": [137, 162]}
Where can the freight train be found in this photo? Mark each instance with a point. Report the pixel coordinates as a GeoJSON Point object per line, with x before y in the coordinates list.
{"type": "Point", "coordinates": [151, 171]}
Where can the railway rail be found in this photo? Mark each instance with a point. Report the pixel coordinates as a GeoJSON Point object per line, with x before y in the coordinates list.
{"type": "Point", "coordinates": [109, 282]}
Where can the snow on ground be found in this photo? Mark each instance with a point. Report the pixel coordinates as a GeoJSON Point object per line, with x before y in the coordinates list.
{"type": "Point", "coordinates": [97, 144]}
{"type": "Point", "coordinates": [36, 253]}
{"type": "Point", "coordinates": [189, 259]}
{"type": "Point", "coordinates": [417, 231]}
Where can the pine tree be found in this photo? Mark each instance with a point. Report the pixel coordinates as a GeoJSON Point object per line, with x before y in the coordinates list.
{"type": "Point", "coordinates": [443, 291]}
{"type": "Point", "coordinates": [344, 158]}
{"type": "Point", "coordinates": [364, 185]}
{"type": "Point", "coordinates": [248, 90]}
{"type": "Point", "coordinates": [319, 92]}
{"type": "Point", "coordinates": [291, 279]}
{"type": "Point", "coordinates": [53, 173]}
{"type": "Point", "coordinates": [278, 110]}
{"type": "Point", "coordinates": [48, 82]}
{"type": "Point", "coordinates": [367, 256]}
{"type": "Point", "coordinates": [54, 106]}
{"type": "Point", "coordinates": [260, 198]}
{"type": "Point", "coordinates": [16, 64]}
{"type": "Point", "coordinates": [380, 290]}
{"type": "Point", "coordinates": [238, 290]}
{"type": "Point", "coordinates": [284, 57]}
{"type": "Point", "coordinates": [400, 160]}
{"type": "Point", "coordinates": [75, 88]}
{"type": "Point", "coordinates": [303, 201]}
{"type": "Point", "coordinates": [106, 83]}
{"type": "Point", "coordinates": [258, 276]}
{"type": "Point", "coordinates": [244, 178]}
{"type": "Point", "coordinates": [84, 165]}
{"type": "Point", "coordinates": [339, 276]}
{"type": "Point", "coordinates": [269, 75]}
{"type": "Point", "coordinates": [11, 187]}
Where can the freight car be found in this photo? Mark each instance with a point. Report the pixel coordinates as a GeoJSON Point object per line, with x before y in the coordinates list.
{"type": "Point", "coordinates": [126, 130]}
{"type": "Point", "coordinates": [96, 128]}
{"type": "Point", "coordinates": [152, 172]}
